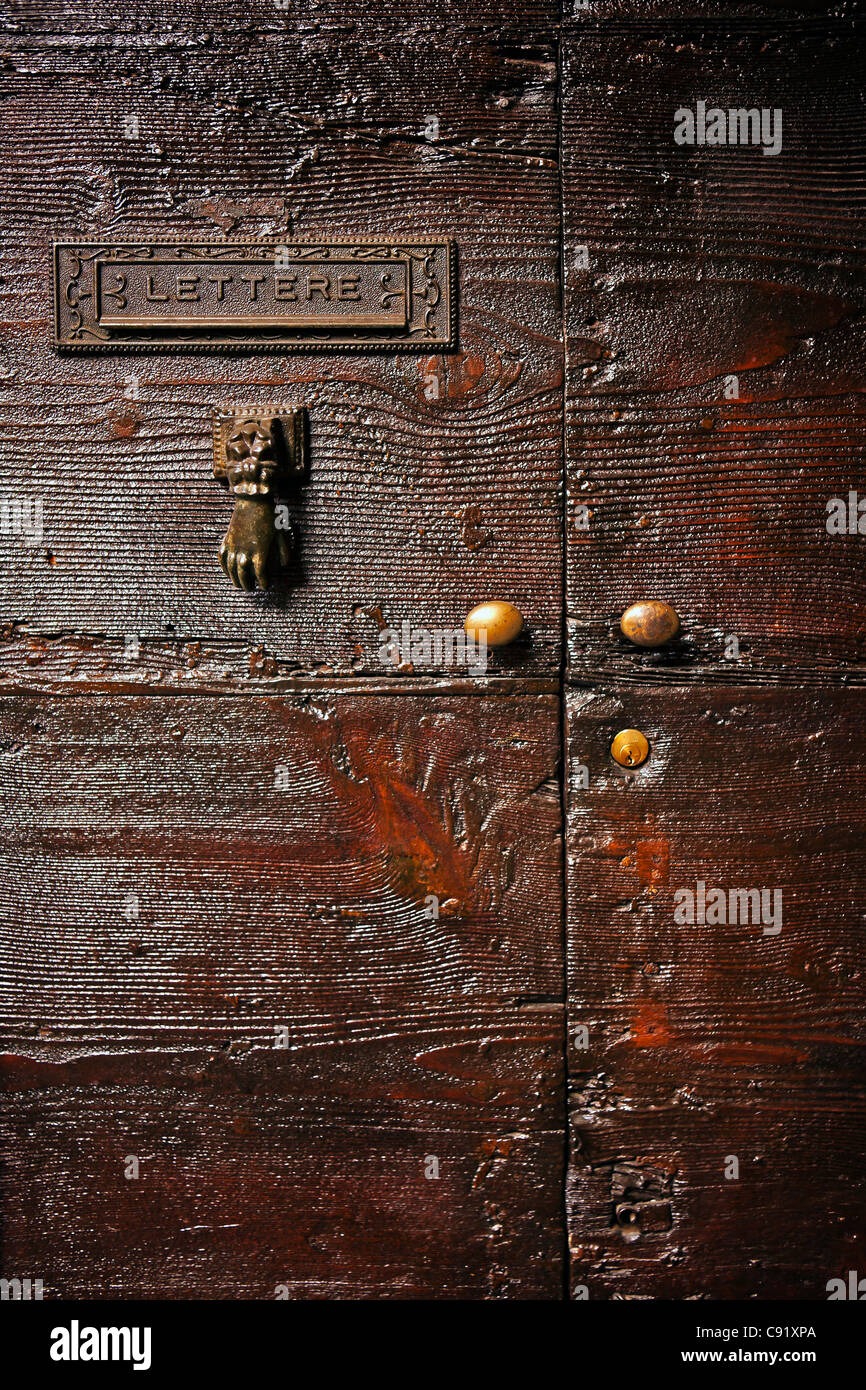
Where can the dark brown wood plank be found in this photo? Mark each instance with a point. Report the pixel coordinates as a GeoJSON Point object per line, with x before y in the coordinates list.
{"type": "Point", "coordinates": [706, 264]}
{"type": "Point", "coordinates": [237, 1199]}
{"type": "Point", "coordinates": [186, 875]}
{"type": "Point", "coordinates": [435, 481]}
{"type": "Point", "coordinates": [71, 663]}
{"type": "Point", "coordinates": [717, 1040]}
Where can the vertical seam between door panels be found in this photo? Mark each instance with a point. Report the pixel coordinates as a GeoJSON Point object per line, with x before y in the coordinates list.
{"type": "Point", "coordinates": [563, 667]}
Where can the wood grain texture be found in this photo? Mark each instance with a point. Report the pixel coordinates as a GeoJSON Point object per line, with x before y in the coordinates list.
{"type": "Point", "coordinates": [239, 1199]}
{"type": "Point", "coordinates": [70, 663]}
{"type": "Point", "coordinates": [717, 1040]}
{"type": "Point", "coordinates": [186, 876]}
{"type": "Point", "coordinates": [706, 263]}
{"type": "Point", "coordinates": [189, 874]}
{"type": "Point", "coordinates": [435, 481]}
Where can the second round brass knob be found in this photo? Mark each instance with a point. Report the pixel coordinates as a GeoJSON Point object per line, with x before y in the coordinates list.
{"type": "Point", "coordinates": [499, 622]}
{"type": "Point", "coordinates": [650, 623]}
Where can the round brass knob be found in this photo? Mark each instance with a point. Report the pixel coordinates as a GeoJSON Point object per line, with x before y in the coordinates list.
{"type": "Point", "coordinates": [499, 623]}
{"type": "Point", "coordinates": [629, 748]}
{"type": "Point", "coordinates": [649, 623]}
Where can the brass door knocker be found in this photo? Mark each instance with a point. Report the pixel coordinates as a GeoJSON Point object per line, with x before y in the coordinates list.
{"type": "Point", "coordinates": [257, 451]}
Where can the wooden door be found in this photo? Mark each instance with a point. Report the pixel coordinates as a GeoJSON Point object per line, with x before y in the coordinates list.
{"type": "Point", "coordinates": [330, 977]}
{"type": "Point", "coordinates": [284, 982]}
{"type": "Point", "coordinates": [714, 401]}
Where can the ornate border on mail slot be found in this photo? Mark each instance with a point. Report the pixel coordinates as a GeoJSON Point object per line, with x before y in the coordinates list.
{"type": "Point", "coordinates": [432, 295]}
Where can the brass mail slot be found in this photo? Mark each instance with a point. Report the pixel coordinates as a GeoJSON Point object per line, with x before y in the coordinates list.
{"type": "Point", "coordinates": [253, 295]}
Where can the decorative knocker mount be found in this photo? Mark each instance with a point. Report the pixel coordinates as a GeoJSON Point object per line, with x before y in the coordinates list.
{"type": "Point", "coordinates": [258, 451]}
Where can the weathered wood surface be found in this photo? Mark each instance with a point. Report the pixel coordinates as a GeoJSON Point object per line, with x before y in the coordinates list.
{"type": "Point", "coordinates": [436, 481]}
{"type": "Point", "coordinates": [712, 1041]}
{"type": "Point", "coordinates": [168, 907]}
{"type": "Point", "coordinates": [706, 263]}
{"type": "Point", "coordinates": [70, 663]}
{"type": "Point", "coordinates": [238, 1198]}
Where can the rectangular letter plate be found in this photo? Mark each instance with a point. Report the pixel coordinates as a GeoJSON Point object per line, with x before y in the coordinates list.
{"type": "Point", "coordinates": [253, 295]}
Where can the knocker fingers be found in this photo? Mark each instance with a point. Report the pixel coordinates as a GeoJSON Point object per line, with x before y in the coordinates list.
{"type": "Point", "coordinates": [260, 566]}
{"type": "Point", "coordinates": [244, 577]}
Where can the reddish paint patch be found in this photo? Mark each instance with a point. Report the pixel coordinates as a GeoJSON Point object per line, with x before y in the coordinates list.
{"type": "Point", "coordinates": [653, 860]}
{"type": "Point", "coordinates": [123, 426]}
{"type": "Point", "coordinates": [649, 1027]}
{"type": "Point", "coordinates": [464, 373]}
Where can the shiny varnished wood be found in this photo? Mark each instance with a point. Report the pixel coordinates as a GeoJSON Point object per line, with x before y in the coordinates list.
{"type": "Point", "coordinates": [227, 818]}
{"type": "Point", "coordinates": [691, 272]}
{"type": "Point", "coordinates": [714, 380]}
{"type": "Point", "coordinates": [377, 876]}
{"type": "Point", "coordinates": [692, 1044]}
{"type": "Point", "coordinates": [435, 479]}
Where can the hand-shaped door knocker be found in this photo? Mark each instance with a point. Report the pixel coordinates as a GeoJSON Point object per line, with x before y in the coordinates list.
{"type": "Point", "coordinates": [257, 450]}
